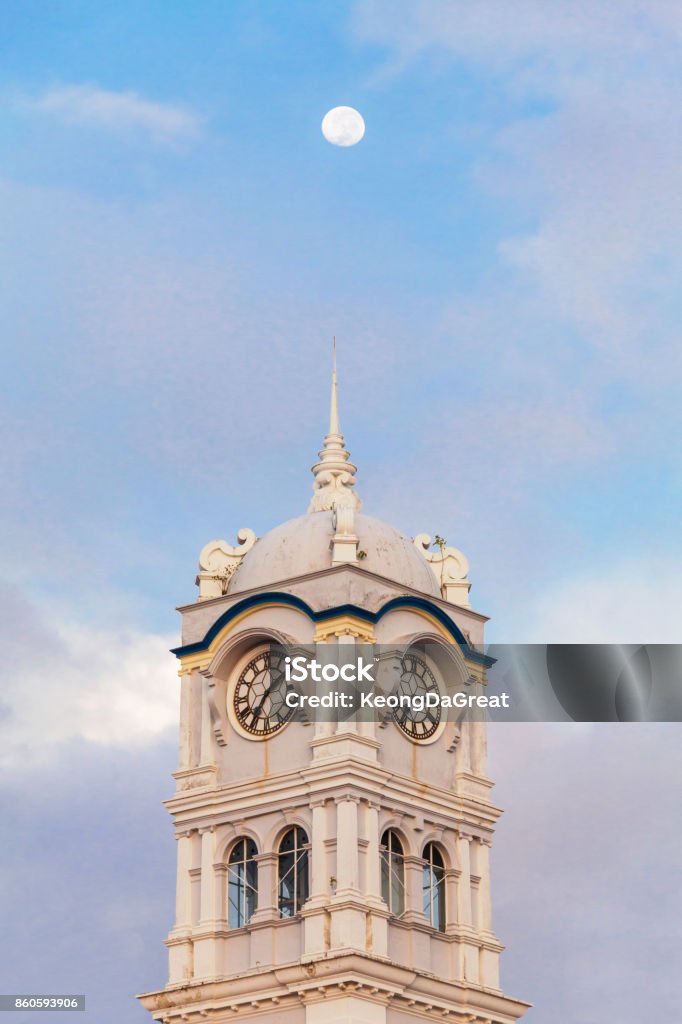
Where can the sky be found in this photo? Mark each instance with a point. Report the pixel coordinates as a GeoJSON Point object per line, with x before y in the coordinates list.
{"type": "Point", "coordinates": [499, 259]}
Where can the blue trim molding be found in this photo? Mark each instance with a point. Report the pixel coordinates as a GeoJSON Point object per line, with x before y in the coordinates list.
{"type": "Point", "coordinates": [291, 601]}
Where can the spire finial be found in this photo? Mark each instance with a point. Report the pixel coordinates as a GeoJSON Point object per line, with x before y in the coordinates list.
{"type": "Point", "coordinates": [334, 410]}
{"type": "Point", "coordinates": [334, 473]}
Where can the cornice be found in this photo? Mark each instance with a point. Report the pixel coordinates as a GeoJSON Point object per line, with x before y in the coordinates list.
{"type": "Point", "coordinates": [333, 975]}
{"type": "Point", "coordinates": [326, 781]}
{"type": "Point", "coordinates": [427, 607]}
{"type": "Point", "coordinates": [334, 570]}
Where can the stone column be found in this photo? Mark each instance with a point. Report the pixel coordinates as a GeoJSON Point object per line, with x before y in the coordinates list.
{"type": "Point", "coordinates": [414, 870]}
{"type": "Point", "coordinates": [373, 873]}
{"type": "Point", "coordinates": [479, 749]}
{"type": "Point", "coordinates": [451, 900]}
{"type": "Point", "coordinates": [485, 916]}
{"type": "Point", "coordinates": [468, 946]}
{"type": "Point", "coordinates": [183, 889]}
{"type": "Point", "coordinates": [319, 882]}
{"type": "Point", "coordinates": [207, 753]}
{"type": "Point", "coordinates": [220, 895]}
{"type": "Point", "coordinates": [191, 722]}
{"type": "Point", "coordinates": [377, 922]}
{"type": "Point", "coordinates": [262, 943]}
{"type": "Point", "coordinates": [463, 751]}
{"type": "Point", "coordinates": [347, 845]}
{"type": "Point", "coordinates": [180, 966]}
{"type": "Point", "coordinates": [316, 929]}
{"type": "Point", "coordinates": [206, 951]}
{"type": "Point", "coordinates": [348, 909]}
{"type": "Point", "coordinates": [489, 959]}
{"type": "Point", "coordinates": [347, 725]}
{"type": "Point", "coordinates": [267, 887]}
{"type": "Point", "coordinates": [185, 716]}
{"type": "Point", "coordinates": [208, 877]}
{"type": "Point", "coordinates": [322, 729]}
{"type": "Point", "coordinates": [464, 914]}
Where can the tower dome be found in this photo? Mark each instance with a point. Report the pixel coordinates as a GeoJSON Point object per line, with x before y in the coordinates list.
{"type": "Point", "coordinates": [305, 544]}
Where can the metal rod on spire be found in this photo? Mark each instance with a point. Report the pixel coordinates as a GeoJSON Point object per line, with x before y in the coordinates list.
{"type": "Point", "coordinates": [334, 409]}
{"type": "Point", "coordinates": [334, 473]}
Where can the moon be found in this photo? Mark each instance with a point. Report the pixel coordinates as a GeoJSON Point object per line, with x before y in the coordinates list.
{"type": "Point", "coordinates": [343, 126]}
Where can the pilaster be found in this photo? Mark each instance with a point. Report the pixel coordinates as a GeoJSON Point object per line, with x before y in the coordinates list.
{"type": "Point", "coordinates": [347, 846]}
{"type": "Point", "coordinates": [414, 912]}
{"type": "Point", "coordinates": [464, 913]}
{"type": "Point", "coordinates": [319, 880]}
{"type": "Point", "coordinates": [266, 915]}
{"type": "Point", "coordinates": [180, 951]}
{"type": "Point", "coordinates": [315, 913]}
{"type": "Point", "coordinates": [205, 939]}
{"type": "Point", "coordinates": [348, 912]}
{"type": "Point", "coordinates": [184, 731]}
{"type": "Point", "coordinates": [469, 948]}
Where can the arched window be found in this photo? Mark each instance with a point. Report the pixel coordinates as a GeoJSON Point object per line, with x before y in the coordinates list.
{"type": "Point", "coordinates": [433, 887]}
{"type": "Point", "coordinates": [393, 872]}
{"type": "Point", "coordinates": [242, 883]}
{"type": "Point", "coordinates": [293, 872]}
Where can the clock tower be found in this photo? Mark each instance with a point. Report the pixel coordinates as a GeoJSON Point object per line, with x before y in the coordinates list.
{"type": "Point", "coordinates": [329, 872]}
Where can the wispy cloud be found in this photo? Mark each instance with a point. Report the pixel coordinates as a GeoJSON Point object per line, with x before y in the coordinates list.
{"type": "Point", "coordinates": [592, 152]}
{"type": "Point", "coordinates": [113, 688]}
{"type": "Point", "coordinates": [528, 36]}
{"type": "Point", "coordinates": [117, 111]}
{"type": "Point", "coordinates": [634, 601]}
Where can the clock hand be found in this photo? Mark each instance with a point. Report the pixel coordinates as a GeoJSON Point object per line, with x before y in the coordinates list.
{"type": "Point", "coordinates": [255, 711]}
{"type": "Point", "coordinates": [259, 706]}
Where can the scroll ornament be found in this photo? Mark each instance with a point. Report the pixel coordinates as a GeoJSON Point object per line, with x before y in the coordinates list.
{"type": "Point", "coordinates": [218, 562]}
{"type": "Point", "coordinates": [449, 566]}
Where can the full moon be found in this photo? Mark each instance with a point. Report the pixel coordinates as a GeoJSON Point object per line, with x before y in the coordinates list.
{"type": "Point", "coordinates": [343, 126]}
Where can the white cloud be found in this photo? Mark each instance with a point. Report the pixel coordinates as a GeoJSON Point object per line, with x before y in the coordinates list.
{"type": "Point", "coordinates": [117, 111]}
{"type": "Point", "coordinates": [637, 601]}
{"type": "Point", "coordinates": [603, 173]}
{"type": "Point", "coordinates": [564, 32]}
{"type": "Point", "coordinates": [66, 682]}
{"type": "Point", "coordinates": [590, 151]}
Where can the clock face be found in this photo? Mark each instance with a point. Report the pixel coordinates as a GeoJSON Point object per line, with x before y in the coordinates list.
{"type": "Point", "coordinates": [260, 693]}
{"type": "Point", "coordinates": [417, 679]}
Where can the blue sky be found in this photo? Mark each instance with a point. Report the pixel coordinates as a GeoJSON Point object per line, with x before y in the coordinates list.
{"type": "Point", "coordinates": [499, 259]}
{"type": "Point", "coordinates": [181, 243]}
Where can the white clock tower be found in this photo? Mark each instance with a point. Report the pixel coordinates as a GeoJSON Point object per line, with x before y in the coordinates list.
{"type": "Point", "coordinates": [328, 873]}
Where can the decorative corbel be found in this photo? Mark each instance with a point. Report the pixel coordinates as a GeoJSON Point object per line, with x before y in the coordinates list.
{"type": "Point", "coordinates": [217, 720]}
{"type": "Point", "coordinates": [218, 562]}
{"type": "Point", "coordinates": [449, 566]}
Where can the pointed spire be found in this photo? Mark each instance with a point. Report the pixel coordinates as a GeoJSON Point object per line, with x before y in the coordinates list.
{"type": "Point", "coordinates": [334, 410]}
{"type": "Point", "coordinates": [334, 473]}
